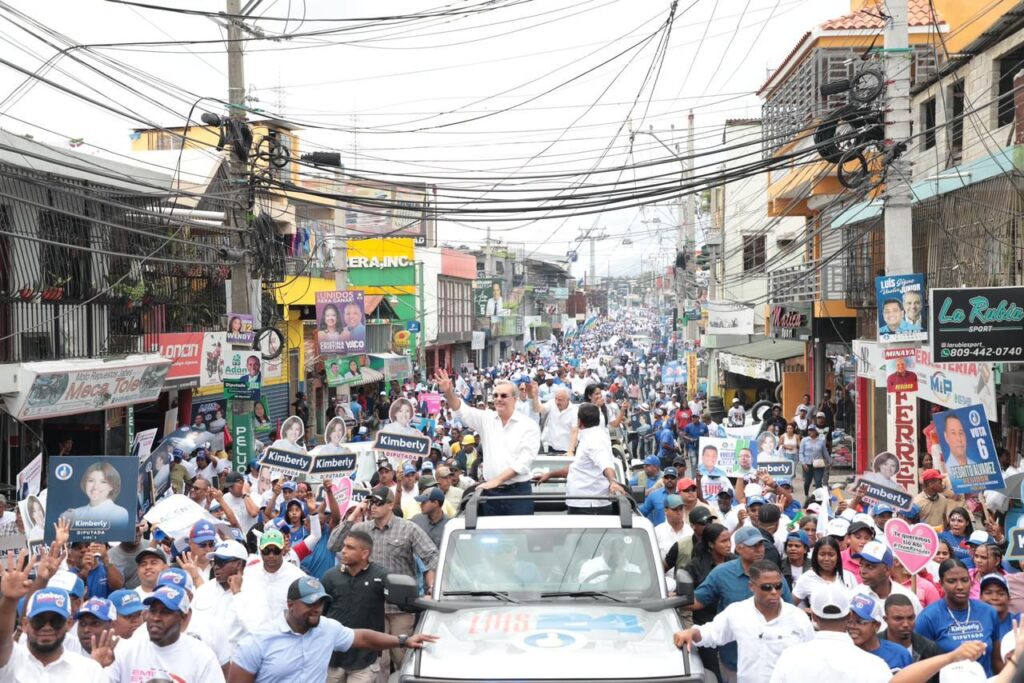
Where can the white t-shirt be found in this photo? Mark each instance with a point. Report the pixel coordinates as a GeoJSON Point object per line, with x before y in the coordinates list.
{"type": "Point", "coordinates": [71, 667]}
{"type": "Point", "coordinates": [668, 537]}
{"type": "Point", "coordinates": [586, 472]}
{"type": "Point", "coordinates": [187, 660]}
{"type": "Point", "coordinates": [809, 580]}
{"type": "Point", "coordinates": [237, 505]}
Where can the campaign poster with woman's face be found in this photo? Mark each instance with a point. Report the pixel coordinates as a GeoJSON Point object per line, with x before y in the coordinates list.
{"type": "Point", "coordinates": [97, 497]}
{"type": "Point", "coordinates": [335, 436]}
{"type": "Point", "coordinates": [240, 329]}
{"type": "Point", "coordinates": [341, 323]}
{"type": "Point", "coordinates": [343, 370]}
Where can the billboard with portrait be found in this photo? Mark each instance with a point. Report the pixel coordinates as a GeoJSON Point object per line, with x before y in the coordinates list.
{"type": "Point", "coordinates": [488, 297]}
{"type": "Point", "coordinates": [240, 329]}
{"type": "Point", "coordinates": [342, 370]}
{"type": "Point", "coordinates": [340, 323]}
{"type": "Point", "coordinates": [97, 497]}
{"type": "Point", "coordinates": [243, 375]}
{"type": "Point", "coordinates": [902, 314]}
{"type": "Point", "coordinates": [968, 450]}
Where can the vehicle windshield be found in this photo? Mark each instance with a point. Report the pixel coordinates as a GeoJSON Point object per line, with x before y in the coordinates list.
{"type": "Point", "coordinates": [533, 561]}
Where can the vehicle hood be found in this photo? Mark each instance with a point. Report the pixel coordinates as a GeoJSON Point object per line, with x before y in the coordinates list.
{"type": "Point", "coordinates": [533, 641]}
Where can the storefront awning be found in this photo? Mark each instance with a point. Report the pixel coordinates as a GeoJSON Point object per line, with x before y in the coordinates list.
{"type": "Point", "coordinates": [760, 359]}
{"type": "Point", "coordinates": [393, 365]}
{"type": "Point", "coordinates": [31, 391]}
{"type": "Point", "coordinates": [369, 376]}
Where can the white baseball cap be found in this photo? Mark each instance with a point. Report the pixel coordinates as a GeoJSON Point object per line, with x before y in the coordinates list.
{"type": "Point", "coordinates": [830, 601]}
{"type": "Point", "coordinates": [837, 527]}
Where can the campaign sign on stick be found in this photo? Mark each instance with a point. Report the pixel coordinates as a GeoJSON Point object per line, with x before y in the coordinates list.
{"type": "Point", "coordinates": [97, 496]}
{"type": "Point", "coordinates": [874, 492]}
{"type": "Point", "coordinates": [1015, 551]}
{"type": "Point", "coordinates": [914, 546]}
{"type": "Point", "coordinates": [968, 450]}
{"type": "Point", "coordinates": [776, 469]}
{"type": "Point", "coordinates": [332, 465]}
{"type": "Point", "coordinates": [404, 446]}
{"type": "Point", "coordinates": [288, 461]}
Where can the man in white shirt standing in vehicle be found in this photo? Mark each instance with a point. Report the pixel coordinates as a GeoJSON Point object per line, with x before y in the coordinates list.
{"type": "Point", "coordinates": [592, 472]}
{"type": "Point", "coordinates": [560, 420]}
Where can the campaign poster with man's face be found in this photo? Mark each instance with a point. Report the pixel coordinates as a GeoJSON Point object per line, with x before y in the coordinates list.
{"type": "Point", "coordinates": [340, 323]}
{"type": "Point", "coordinates": [902, 313]}
{"type": "Point", "coordinates": [968, 450]}
{"type": "Point", "coordinates": [96, 495]}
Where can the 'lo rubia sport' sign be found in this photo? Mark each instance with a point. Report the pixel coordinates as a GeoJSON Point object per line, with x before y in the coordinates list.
{"type": "Point", "coordinates": [979, 324]}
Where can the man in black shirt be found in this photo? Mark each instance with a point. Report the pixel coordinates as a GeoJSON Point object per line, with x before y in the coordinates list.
{"type": "Point", "coordinates": [357, 601]}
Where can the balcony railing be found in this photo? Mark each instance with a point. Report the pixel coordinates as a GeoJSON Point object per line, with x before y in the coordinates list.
{"type": "Point", "coordinates": [808, 281]}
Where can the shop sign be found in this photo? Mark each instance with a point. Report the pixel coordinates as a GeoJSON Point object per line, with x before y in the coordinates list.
{"type": "Point", "coordinates": [789, 321]}
{"type": "Point", "coordinates": [55, 388]}
{"type": "Point", "coordinates": [950, 385]}
{"type": "Point", "coordinates": [560, 293]}
{"type": "Point", "coordinates": [379, 262]}
{"type": "Point", "coordinates": [184, 349]}
{"type": "Point", "coordinates": [902, 436]}
{"type": "Point", "coordinates": [977, 324]}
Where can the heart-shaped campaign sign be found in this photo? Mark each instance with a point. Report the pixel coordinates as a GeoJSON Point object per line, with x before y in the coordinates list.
{"type": "Point", "coordinates": [914, 546]}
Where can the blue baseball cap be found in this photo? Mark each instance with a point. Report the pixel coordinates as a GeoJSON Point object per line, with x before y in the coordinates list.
{"type": "Point", "coordinates": [755, 500]}
{"type": "Point", "coordinates": [171, 597]}
{"type": "Point", "coordinates": [176, 576]}
{"type": "Point", "coordinates": [994, 578]}
{"type": "Point", "coordinates": [652, 460]}
{"type": "Point", "coordinates": [784, 482]}
{"type": "Point", "coordinates": [911, 513]}
{"type": "Point", "coordinates": [254, 464]}
{"type": "Point", "coordinates": [126, 602]}
{"type": "Point", "coordinates": [408, 469]}
{"type": "Point", "coordinates": [101, 608]}
{"type": "Point", "coordinates": [203, 531]}
{"type": "Point", "coordinates": [799, 536]}
{"type": "Point", "coordinates": [56, 600]}
{"type": "Point", "coordinates": [289, 486]}
{"type": "Point", "coordinates": [177, 454]}
{"type": "Point", "coordinates": [68, 581]}
{"type": "Point", "coordinates": [433, 494]}
{"type": "Point", "coordinates": [882, 509]}
{"type": "Point", "coordinates": [307, 590]}
{"type": "Point", "coordinates": [748, 536]}
{"type": "Point", "coordinates": [864, 607]}
{"type": "Point", "coordinates": [874, 552]}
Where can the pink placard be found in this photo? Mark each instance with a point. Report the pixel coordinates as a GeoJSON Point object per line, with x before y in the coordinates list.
{"type": "Point", "coordinates": [914, 546]}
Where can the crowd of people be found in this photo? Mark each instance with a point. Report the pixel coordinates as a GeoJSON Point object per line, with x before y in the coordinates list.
{"type": "Point", "coordinates": [286, 584]}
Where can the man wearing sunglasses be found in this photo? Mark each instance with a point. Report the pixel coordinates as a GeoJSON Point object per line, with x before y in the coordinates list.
{"type": "Point", "coordinates": [44, 627]}
{"type": "Point", "coordinates": [763, 626]}
{"type": "Point", "coordinates": [265, 584]}
{"type": "Point", "coordinates": [510, 441]}
{"type": "Point", "coordinates": [214, 605]}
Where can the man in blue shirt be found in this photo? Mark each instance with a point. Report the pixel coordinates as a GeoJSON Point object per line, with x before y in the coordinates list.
{"type": "Point", "coordinates": [667, 448]}
{"type": "Point", "coordinates": [863, 629]}
{"type": "Point", "coordinates": [691, 435]}
{"type": "Point", "coordinates": [651, 474]}
{"type": "Point", "coordinates": [299, 646]}
{"type": "Point", "coordinates": [729, 582]}
{"type": "Point", "coordinates": [654, 503]}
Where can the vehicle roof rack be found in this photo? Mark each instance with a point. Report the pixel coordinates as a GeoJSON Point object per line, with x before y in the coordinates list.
{"type": "Point", "coordinates": [470, 505]}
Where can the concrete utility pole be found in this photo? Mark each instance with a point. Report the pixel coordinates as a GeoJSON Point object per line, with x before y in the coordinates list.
{"type": "Point", "coordinates": [238, 178]}
{"type": "Point", "coordinates": [899, 253]}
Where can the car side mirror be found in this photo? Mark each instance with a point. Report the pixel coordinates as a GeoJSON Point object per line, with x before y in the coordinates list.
{"type": "Point", "coordinates": [684, 585]}
{"type": "Point", "coordinates": [401, 590]}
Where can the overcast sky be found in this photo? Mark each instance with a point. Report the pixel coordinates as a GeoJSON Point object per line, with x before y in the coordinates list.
{"type": "Point", "coordinates": [397, 99]}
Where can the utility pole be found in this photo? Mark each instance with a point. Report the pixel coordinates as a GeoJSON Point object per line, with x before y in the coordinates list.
{"type": "Point", "coordinates": [238, 179]}
{"type": "Point", "coordinates": [902, 437]}
{"type": "Point", "coordinates": [687, 237]}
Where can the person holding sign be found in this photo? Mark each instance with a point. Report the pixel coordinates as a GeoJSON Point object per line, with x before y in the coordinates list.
{"type": "Point", "coordinates": [101, 484]}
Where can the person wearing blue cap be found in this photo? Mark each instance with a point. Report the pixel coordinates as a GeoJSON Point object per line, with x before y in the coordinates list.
{"type": "Point", "coordinates": [407, 491]}
{"type": "Point", "coordinates": [130, 612]}
{"type": "Point", "coordinates": [875, 575]}
{"type": "Point", "coordinates": [863, 629]}
{"type": "Point", "coordinates": [167, 654]}
{"type": "Point", "coordinates": [795, 561]}
{"type": "Point", "coordinates": [44, 629]}
{"type": "Point", "coordinates": [94, 618]}
{"type": "Point", "coordinates": [881, 513]}
{"type": "Point", "coordinates": [431, 518]}
{"type": "Point", "coordinates": [299, 646]}
{"type": "Point", "coordinates": [653, 507]}
{"type": "Point", "coordinates": [730, 582]}
{"type": "Point", "coordinates": [651, 474]}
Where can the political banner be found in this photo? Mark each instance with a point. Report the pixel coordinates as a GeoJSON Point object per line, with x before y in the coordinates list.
{"type": "Point", "coordinates": [977, 324]}
{"type": "Point", "coordinates": [968, 450]}
{"type": "Point", "coordinates": [288, 461]}
{"type": "Point", "coordinates": [240, 329]}
{"type": "Point", "coordinates": [243, 438]}
{"type": "Point", "coordinates": [914, 546]}
{"type": "Point", "coordinates": [243, 375]}
{"type": "Point", "coordinates": [177, 514]}
{"type": "Point", "coordinates": [336, 434]}
{"type": "Point", "coordinates": [673, 372]}
{"type": "Point", "coordinates": [875, 490]}
{"type": "Point", "coordinates": [342, 371]}
{"type": "Point", "coordinates": [901, 376]}
{"type": "Point", "coordinates": [12, 542]}
{"type": "Point", "coordinates": [431, 401]}
{"type": "Point", "coordinates": [33, 516]}
{"type": "Point", "coordinates": [262, 421]}
{"type": "Point", "coordinates": [57, 388]}
{"type": "Point", "coordinates": [777, 469]}
{"type": "Point", "coordinates": [315, 465]}
{"type": "Point", "coordinates": [30, 479]}
{"type": "Point", "coordinates": [902, 436]}
{"type": "Point", "coordinates": [143, 445]}
{"type": "Point", "coordinates": [341, 323]}
{"type": "Point", "coordinates": [902, 316]}
{"type": "Point", "coordinates": [332, 465]}
{"type": "Point", "coordinates": [97, 496]}
{"type": "Point", "coordinates": [731, 457]}
{"type": "Point", "coordinates": [401, 445]}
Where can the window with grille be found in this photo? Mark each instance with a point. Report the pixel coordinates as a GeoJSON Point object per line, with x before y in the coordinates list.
{"type": "Point", "coordinates": [928, 124]}
{"type": "Point", "coordinates": [754, 253]}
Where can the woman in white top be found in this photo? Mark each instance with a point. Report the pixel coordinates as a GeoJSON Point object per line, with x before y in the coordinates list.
{"type": "Point", "coordinates": [826, 567]}
{"type": "Point", "coordinates": [790, 442]}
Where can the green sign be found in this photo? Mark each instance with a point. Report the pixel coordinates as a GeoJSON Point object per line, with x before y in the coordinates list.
{"type": "Point", "coordinates": [243, 436]}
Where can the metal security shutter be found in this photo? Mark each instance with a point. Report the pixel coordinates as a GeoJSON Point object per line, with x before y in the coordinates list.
{"type": "Point", "coordinates": [278, 405]}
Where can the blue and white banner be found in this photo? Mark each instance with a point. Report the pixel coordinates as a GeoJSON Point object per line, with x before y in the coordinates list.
{"type": "Point", "coordinates": [968, 449]}
{"type": "Point", "coordinates": [902, 311]}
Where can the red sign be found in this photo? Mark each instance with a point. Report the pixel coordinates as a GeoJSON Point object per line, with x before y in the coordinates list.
{"type": "Point", "coordinates": [185, 349]}
{"type": "Point", "coordinates": [902, 439]}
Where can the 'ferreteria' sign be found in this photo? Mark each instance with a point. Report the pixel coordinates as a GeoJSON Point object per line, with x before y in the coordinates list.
{"type": "Point", "coordinates": [984, 324]}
